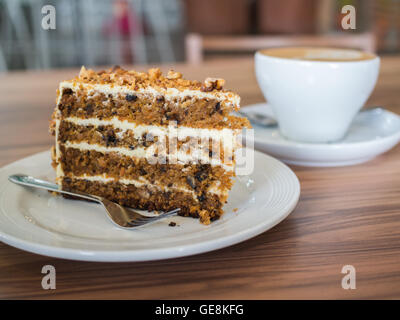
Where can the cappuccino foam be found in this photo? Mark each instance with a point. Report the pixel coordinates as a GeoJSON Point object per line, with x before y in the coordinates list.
{"type": "Point", "coordinates": [318, 54]}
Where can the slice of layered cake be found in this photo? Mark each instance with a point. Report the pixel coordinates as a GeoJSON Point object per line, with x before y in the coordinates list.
{"type": "Point", "coordinates": [148, 140]}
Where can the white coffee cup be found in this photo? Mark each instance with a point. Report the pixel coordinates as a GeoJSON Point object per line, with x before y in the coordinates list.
{"type": "Point", "coordinates": [315, 92]}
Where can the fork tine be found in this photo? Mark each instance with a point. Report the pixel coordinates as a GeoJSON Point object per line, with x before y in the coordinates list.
{"type": "Point", "coordinates": [163, 215]}
{"type": "Point", "coordinates": [142, 220]}
{"type": "Point", "coordinates": [172, 211]}
{"type": "Point", "coordinates": [166, 214]}
{"type": "Point", "coordinates": [136, 223]}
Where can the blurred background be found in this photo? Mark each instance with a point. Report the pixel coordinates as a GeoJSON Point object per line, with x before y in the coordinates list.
{"type": "Point", "coordinates": [108, 32]}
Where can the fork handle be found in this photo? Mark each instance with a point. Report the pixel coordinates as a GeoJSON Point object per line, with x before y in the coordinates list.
{"type": "Point", "coordinates": [25, 180]}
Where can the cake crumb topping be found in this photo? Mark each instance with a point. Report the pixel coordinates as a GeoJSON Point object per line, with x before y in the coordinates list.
{"type": "Point", "coordinates": [152, 78]}
{"type": "Point", "coordinates": [211, 84]}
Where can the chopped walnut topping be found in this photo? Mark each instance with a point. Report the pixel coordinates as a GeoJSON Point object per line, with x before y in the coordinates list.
{"type": "Point", "coordinates": [86, 74]}
{"type": "Point", "coordinates": [213, 83]}
{"type": "Point", "coordinates": [127, 79]}
{"type": "Point", "coordinates": [155, 73]}
{"type": "Point", "coordinates": [174, 75]}
{"type": "Point", "coordinates": [83, 73]}
{"type": "Point", "coordinates": [220, 84]}
{"type": "Point", "coordinates": [204, 88]}
{"type": "Point", "coordinates": [185, 83]}
{"type": "Point", "coordinates": [153, 77]}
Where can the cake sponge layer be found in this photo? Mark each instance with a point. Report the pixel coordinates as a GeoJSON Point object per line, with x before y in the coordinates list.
{"type": "Point", "coordinates": [197, 178]}
{"type": "Point", "coordinates": [147, 108]}
{"type": "Point", "coordinates": [207, 209]}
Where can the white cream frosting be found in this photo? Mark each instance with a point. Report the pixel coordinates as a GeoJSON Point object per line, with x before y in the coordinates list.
{"type": "Point", "coordinates": [169, 93]}
{"type": "Point", "coordinates": [225, 135]}
{"type": "Point", "coordinates": [180, 157]}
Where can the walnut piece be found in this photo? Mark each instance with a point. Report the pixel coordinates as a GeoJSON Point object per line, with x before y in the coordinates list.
{"type": "Point", "coordinates": [152, 78]}
{"type": "Point", "coordinates": [213, 83]}
{"type": "Point", "coordinates": [87, 74]}
{"type": "Point", "coordinates": [174, 75]}
{"type": "Point", "coordinates": [154, 73]}
{"type": "Point", "coordinates": [127, 79]}
{"type": "Point", "coordinates": [83, 73]}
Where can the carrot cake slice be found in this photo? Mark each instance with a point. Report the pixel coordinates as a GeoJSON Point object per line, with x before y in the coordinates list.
{"type": "Point", "coordinates": [147, 140]}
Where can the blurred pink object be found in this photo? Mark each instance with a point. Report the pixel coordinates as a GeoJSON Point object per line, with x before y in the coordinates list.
{"type": "Point", "coordinates": [124, 24]}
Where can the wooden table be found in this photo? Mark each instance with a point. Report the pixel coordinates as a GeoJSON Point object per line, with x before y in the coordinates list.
{"type": "Point", "coordinates": [346, 216]}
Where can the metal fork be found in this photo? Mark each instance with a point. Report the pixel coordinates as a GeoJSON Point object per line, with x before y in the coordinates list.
{"type": "Point", "coordinates": [123, 217]}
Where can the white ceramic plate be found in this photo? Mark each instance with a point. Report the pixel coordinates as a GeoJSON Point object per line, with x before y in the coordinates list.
{"type": "Point", "coordinates": [35, 221]}
{"type": "Point", "coordinates": [371, 134]}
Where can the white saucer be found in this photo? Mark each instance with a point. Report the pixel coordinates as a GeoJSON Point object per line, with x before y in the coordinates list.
{"type": "Point", "coordinates": [371, 134]}
{"type": "Point", "coordinates": [36, 221]}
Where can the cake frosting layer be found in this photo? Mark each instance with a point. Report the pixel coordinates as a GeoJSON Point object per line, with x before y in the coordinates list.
{"type": "Point", "coordinates": [170, 94]}
{"type": "Point", "coordinates": [226, 135]}
{"type": "Point", "coordinates": [154, 155]}
{"type": "Point", "coordinates": [171, 85]}
{"type": "Point", "coordinates": [149, 109]}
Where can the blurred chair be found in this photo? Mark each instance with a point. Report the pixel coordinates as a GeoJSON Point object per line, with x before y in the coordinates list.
{"type": "Point", "coordinates": [196, 45]}
{"type": "Point", "coordinates": [18, 22]}
{"type": "Point", "coordinates": [90, 32]}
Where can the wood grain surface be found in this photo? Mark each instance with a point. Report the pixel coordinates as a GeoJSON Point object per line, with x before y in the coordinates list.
{"type": "Point", "coordinates": [347, 215]}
